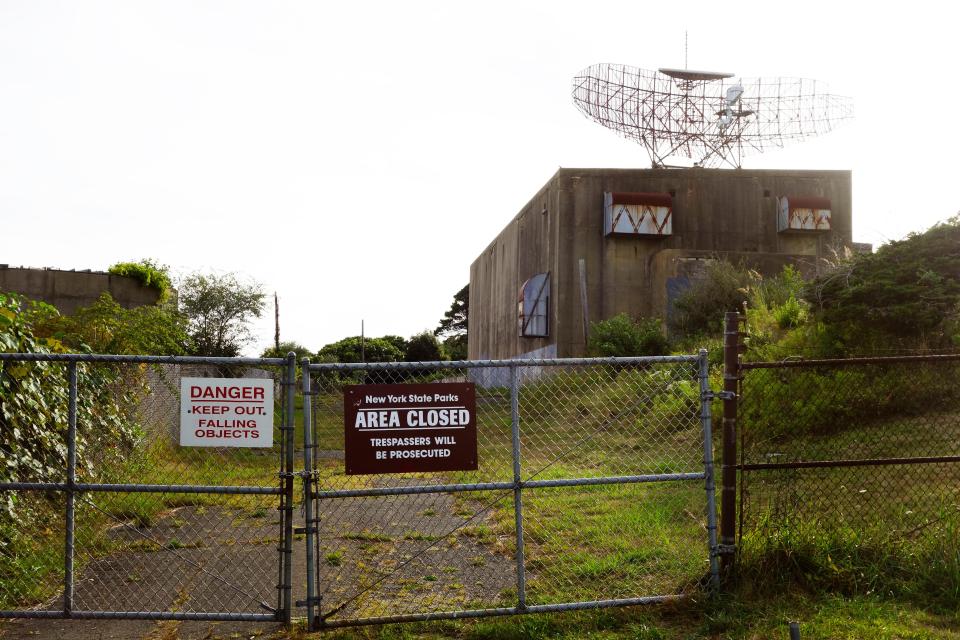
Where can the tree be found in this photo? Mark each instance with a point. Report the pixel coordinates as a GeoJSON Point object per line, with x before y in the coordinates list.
{"type": "Point", "coordinates": [285, 348]}
{"type": "Point", "coordinates": [454, 325]}
{"type": "Point", "coordinates": [424, 347]}
{"type": "Point", "coordinates": [372, 350]}
{"type": "Point", "coordinates": [454, 320]}
{"type": "Point", "coordinates": [397, 341]}
{"type": "Point", "coordinates": [219, 310]}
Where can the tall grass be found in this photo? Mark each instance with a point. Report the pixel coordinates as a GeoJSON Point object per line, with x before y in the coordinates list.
{"type": "Point", "coordinates": [923, 567]}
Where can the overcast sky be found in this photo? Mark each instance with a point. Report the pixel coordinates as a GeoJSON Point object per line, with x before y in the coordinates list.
{"type": "Point", "coordinates": [356, 157]}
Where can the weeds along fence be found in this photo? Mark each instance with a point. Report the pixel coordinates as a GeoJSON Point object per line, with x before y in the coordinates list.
{"type": "Point", "coordinates": [104, 515]}
{"type": "Point", "coordinates": [849, 472]}
{"type": "Point", "coordinates": [593, 487]}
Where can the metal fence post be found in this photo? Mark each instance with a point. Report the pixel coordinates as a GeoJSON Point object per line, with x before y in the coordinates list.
{"type": "Point", "coordinates": [310, 525]}
{"type": "Point", "coordinates": [728, 493]}
{"type": "Point", "coordinates": [68, 543]}
{"type": "Point", "coordinates": [517, 490]}
{"type": "Point", "coordinates": [289, 425]}
{"type": "Point", "coordinates": [706, 419]}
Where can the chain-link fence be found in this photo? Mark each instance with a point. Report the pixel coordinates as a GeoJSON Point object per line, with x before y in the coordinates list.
{"type": "Point", "coordinates": [844, 455]}
{"type": "Point", "coordinates": [105, 514]}
{"type": "Point", "coordinates": [588, 490]}
{"type": "Point", "coordinates": [591, 485]}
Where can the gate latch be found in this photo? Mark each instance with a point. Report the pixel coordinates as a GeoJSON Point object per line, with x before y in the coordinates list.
{"type": "Point", "coordinates": [316, 600]}
{"type": "Point", "coordinates": [719, 395]}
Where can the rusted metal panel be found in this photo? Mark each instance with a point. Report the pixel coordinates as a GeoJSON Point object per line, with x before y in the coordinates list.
{"type": "Point", "coordinates": [533, 306]}
{"type": "Point", "coordinates": [648, 198]}
{"type": "Point", "coordinates": [645, 214]}
{"type": "Point", "coordinates": [803, 213]}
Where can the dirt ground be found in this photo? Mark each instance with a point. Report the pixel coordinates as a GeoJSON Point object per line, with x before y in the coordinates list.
{"type": "Point", "coordinates": [379, 556]}
{"type": "Point", "coordinates": [192, 559]}
{"type": "Point", "coordinates": [411, 554]}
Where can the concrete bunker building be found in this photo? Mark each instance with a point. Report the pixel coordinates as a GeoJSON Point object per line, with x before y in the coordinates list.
{"type": "Point", "coordinates": [70, 290]}
{"type": "Point", "coordinates": [642, 235]}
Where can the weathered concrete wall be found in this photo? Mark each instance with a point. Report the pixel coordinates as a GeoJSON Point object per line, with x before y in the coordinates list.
{"type": "Point", "coordinates": [70, 290]}
{"type": "Point", "coordinates": [528, 245]}
{"type": "Point", "coordinates": [715, 213]}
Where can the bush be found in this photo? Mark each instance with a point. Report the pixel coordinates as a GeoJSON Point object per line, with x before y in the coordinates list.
{"type": "Point", "coordinates": [791, 314]}
{"type": "Point", "coordinates": [106, 327]}
{"type": "Point", "coordinates": [907, 289]}
{"type": "Point", "coordinates": [146, 272]}
{"type": "Point", "coordinates": [621, 336]}
{"type": "Point", "coordinates": [285, 348]}
{"type": "Point", "coordinates": [699, 310]}
{"type": "Point", "coordinates": [33, 409]}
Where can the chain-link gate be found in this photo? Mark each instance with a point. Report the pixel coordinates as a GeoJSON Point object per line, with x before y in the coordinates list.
{"type": "Point", "coordinates": [104, 515]}
{"type": "Point", "coordinates": [859, 452]}
{"type": "Point", "coordinates": [589, 492]}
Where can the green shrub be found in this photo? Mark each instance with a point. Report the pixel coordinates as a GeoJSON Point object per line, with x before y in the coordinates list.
{"type": "Point", "coordinates": [146, 272]}
{"type": "Point", "coordinates": [805, 402]}
{"type": "Point", "coordinates": [772, 292]}
{"type": "Point", "coordinates": [907, 289]}
{"type": "Point", "coordinates": [724, 287]}
{"type": "Point", "coordinates": [791, 314]}
{"type": "Point", "coordinates": [34, 405]}
{"type": "Point", "coordinates": [621, 336]}
{"type": "Point", "coordinates": [106, 327]}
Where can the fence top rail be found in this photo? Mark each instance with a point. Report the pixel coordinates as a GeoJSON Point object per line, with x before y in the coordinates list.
{"type": "Point", "coordinates": [476, 364]}
{"type": "Point", "coordinates": [842, 362]}
{"type": "Point", "coordinates": [95, 357]}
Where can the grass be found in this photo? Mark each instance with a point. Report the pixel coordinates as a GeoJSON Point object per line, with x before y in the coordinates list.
{"type": "Point", "coordinates": [628, 540]}
{"type": "Point", "coordinates": [896, 578]}
{"type": "Point", "coordinates": [735, 617]}
{"type": "Point", "coordinates": [366, 536]}
{"type": "Point", "coordinates": [31, 551]}
{"type": "Point", "coordinates": [612, 541]}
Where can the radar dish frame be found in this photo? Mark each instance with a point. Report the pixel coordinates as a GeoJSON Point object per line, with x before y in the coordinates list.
{"type": "Point", "coordinates": [680, 113]}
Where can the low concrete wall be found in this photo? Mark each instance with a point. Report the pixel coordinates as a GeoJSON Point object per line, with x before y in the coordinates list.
{"type": "Point", "coordinates": [70, 290]}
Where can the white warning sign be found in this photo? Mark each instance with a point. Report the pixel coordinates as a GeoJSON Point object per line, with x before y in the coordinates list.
{"type": "Point", "coordinates": [226, 412]}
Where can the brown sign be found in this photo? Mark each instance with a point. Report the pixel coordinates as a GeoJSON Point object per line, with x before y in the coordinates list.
{"type": "Point", "coordinates": [403, 428]}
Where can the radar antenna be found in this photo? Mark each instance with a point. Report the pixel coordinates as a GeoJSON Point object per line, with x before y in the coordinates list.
{"type": "Point", "coordinates": [704, 115]}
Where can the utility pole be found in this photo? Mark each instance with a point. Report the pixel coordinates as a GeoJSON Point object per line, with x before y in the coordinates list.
{"type": "Point", "coordinates": [276, 322]}
{"type": "Point", "coordinates": [363, 349]}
